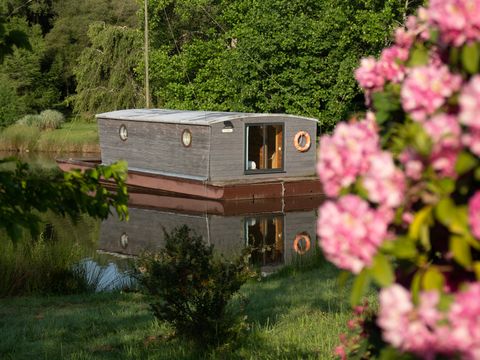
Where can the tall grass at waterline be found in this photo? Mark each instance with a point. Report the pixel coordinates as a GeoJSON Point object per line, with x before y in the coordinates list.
{"type": "Point", "coordinates": [293, 316]}
{"type": "Point", "coordinates": [46, 265]}
{"type": "Point", "coordinates": [20, 138]}
{"type": "Point", "coordinates": [74, 136]}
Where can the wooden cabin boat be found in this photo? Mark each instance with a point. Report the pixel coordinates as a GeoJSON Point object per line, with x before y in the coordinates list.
{"type": "Point", "coordinates": [213, 155]}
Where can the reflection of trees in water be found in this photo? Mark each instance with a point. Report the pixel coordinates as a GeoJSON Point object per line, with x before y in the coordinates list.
{"type": "Point", "coordinates": [265, 237]}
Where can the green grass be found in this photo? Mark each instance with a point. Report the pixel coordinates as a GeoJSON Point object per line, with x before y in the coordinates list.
{"type": "Point", "coordinates": [74, 136]}
{"type": "Point", "coordinates": [293, 315]}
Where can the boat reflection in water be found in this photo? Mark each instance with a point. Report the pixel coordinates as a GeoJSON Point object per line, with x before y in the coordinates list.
{"type": "Point", "coordinates": [279, 230]}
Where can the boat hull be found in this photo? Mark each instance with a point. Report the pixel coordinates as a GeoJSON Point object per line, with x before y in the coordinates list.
{"type": "Point", "coordinates": [241, 190]}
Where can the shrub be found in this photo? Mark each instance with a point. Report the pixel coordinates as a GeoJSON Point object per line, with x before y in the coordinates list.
{"type": "Point", "coordinates": [190, 288]}
{"type": "Point", "coordinates": [51, 119]}
{"type": "Point", "coordinates": [30, 120]}
{"type": "Point", "coordinates": [404, 189]}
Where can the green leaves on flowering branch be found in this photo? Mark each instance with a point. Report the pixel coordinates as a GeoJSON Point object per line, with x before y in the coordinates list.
{"type": "Point", "coordinates": [471, 58]}
{"type": "Point", "coordinates": [24, 194]}
{"type": "Point", "coordinates": [360, 287]}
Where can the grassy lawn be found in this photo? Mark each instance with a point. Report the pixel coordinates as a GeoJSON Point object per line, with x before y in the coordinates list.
{"type": "Point", "coordinates": [293, 315]}
{"type": "Point", "coordinates": [75, 136]}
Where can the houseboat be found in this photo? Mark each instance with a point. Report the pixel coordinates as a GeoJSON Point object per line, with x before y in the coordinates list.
{"type": "Point", "coordinates": [212, 155]}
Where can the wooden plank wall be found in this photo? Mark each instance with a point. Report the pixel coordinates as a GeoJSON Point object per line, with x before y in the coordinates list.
{"type": "Point", "coordinates": [156, 146]}
{"type": "Point", "coordinates": [227, 152]}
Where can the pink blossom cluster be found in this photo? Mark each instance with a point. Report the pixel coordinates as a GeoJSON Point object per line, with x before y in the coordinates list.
{"type": "Point", "coordinates": [425, 330]}
{"type": "Point", "coordinates": [412, 162]}
{"type": "Point", "coordinates": [354, 151]}
{"type": "Point", "coordinates": [445, 131]}
{"type": "Point", "coordinates": [351, 232]}
{"type": "Point", "coordinates": [344, 155]}
{"type": "Point", "coordinates": [406, 327]}
{"type": "Point", "coordinates": [385, 184]}
{"type": "Point", "coordinates": [474, 214]}
{"type": "Point", "coordinates": [464, 318]}
{"type": "Point", "coordinates": [470, 114]}
{"type": "Point", "coordinates": [426, 89]}
{"type": "Point", "coordinates": [372, 74]}
{"type": "Point", "coordinates": [457, 20]}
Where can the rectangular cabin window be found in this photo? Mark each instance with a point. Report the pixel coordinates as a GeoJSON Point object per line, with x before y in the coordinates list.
{"type": "Point", "coordinates": [264, 148]}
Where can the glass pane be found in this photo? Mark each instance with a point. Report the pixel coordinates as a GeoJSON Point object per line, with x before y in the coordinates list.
{"type": "Point", "coordinates": [255, 155]}
{"type": "Point", "coordinates": [273, 146]}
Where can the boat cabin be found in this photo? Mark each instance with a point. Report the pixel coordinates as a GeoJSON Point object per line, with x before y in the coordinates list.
{"type": "Point", "coordinates": [215, 148]}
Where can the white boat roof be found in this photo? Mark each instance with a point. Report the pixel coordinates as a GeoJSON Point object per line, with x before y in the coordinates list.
{"type": "Point", "coordinates": [185, 116]}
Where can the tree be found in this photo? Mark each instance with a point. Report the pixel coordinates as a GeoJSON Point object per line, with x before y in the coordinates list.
{"type": "Point", "coordinates": [106, 78]}
{"type": "Point", "coordinates": [25, 194]}
{"type": "Point", "coordinates": [267, 56]}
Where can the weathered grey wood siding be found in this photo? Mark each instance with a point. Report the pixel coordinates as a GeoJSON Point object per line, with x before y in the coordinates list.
{"type": "Point", "coordinates": [156, 146]}
{"type": "Point", "coordinates": [227, 154]}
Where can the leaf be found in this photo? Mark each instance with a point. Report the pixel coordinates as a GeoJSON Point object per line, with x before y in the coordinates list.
{"type": "Point", "coordinates": [381, 270]}
{"type": "Point", "coordinates": [445, 211]}
{"type": "Point", "coordinates": [360, 286]}
{"type": "Point", "coordinates": [404, 248]}
{"type": "Point", "coordinates": [422, 217]}
{"type": "Point", "coordinates": [465, 162]}
{"type": "Point", "coordinates": [461, 251]}
{"type": "Point", "coordinates": [418, 57]}
{"type": "Point", "coordinates": [415, 286]}
{"type": "Point", "coordinates": [470, 58]}
{"type": "Point", "coordinates": [476, 269]}
{"type": "Point", "coordinates": [433, 279]}
{"type": "Point", "coordinates": [343, 278]}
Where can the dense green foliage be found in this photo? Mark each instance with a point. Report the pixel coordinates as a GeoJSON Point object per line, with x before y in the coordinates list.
{"type": "Point", "coordinates": [243, 55]}
{"type": "Point", "coordinates": [190, 288]}
{"type": "Point", "coordinates": [105, 72]}
{"type": "Point", "coordinates": [24, 194]}
{"type": "Point", "coordinates": [267, 56]}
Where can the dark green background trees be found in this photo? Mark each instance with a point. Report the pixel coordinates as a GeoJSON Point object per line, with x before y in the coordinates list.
{"type": "Point", "coordinates": [236, 55]}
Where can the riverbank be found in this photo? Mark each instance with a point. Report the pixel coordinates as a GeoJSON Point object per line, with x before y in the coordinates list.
{"type": "Point", "coordinates": [293, 315]}
{"type": "Point", "coordinates": [73, 137]}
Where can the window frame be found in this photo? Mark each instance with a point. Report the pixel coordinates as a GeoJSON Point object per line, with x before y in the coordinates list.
{"type": "Point", "coordinates": [245, 149]}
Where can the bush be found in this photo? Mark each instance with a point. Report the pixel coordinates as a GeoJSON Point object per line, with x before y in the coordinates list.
{"type": "Point", "coordinates": [30, 120]}
{"type": "Point", "coordinates": [190, 288]}
{"type": "Point", "coordinates": [51, 119]}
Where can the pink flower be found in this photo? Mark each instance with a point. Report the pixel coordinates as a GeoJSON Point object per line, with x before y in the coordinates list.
{"type": "Point", "coordinates": [464, 317]}
{"type": "Point", "coordinates": [471, 139]}
{"type": "Point", "coordinates": [369, 75]}
{"type": "Point", "coordinates": [457, 20]}
{"type": "Point", "coordinates": [426, 88]}
{"type": "Point", "coordinates": [474, 214]}
{"type": "Point", "coordinates": [412, 163]}
{"type": "Point", "coordinates": [384, 183]}
{"type": "Point", "coordinates": [344, 155]}
{"type": "Point", "coordinates": [391, 63]}
{"type": "Point", "coordinates": [445, 133]}
{"type": "Point", "coordinates": [405, 327]}
{"type": "Point", "coordinates": [470, 104]}
{"type": "Point", "coordinates": [351, 232]}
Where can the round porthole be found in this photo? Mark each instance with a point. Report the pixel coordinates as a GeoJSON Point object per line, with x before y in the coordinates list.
{"type": "Point", "coordinates": [186, 138]}
{"type": "Point", "coordinates": [123, 132]}
{"type": "Point", "coordinates": [124, 240]}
